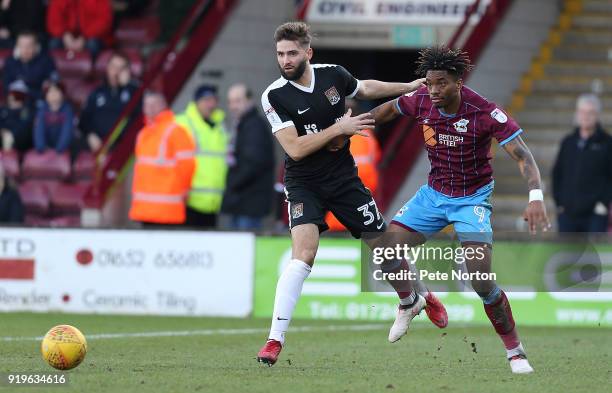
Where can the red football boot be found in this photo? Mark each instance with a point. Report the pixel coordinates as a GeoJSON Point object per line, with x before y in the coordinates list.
{"type": "Point", "coordinates": [269, 353]}
{"type": "Point", "coordinates": [435, 311]}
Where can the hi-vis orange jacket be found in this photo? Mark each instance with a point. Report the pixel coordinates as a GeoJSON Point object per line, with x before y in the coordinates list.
{"type": "Point", "coordinates": [164, 166]}
{"type": "Point", "coordinates": [366, 153]}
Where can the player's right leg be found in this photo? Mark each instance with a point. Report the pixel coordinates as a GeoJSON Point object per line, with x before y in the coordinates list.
{"type": "Point", "coordinates": [306, 221]}
{"type": "Point", "coordinates": [305, 241]}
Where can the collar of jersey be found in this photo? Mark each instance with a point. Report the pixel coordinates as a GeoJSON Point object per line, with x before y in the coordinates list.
{"type": "Point", "coordinates": [449, 115]}
{"type": "Point", "coordinates": [310, 88]}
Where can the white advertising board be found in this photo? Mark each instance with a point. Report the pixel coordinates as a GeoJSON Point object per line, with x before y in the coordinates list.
{"type": "Point", "coordinates": [127, 271]}
{"type": "Point", "coordinates": [419, 12]}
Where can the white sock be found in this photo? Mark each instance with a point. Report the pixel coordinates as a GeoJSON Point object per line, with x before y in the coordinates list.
{"type": "Point", "coordinates": [516, 351]}
{"type": "Point", "coordinates": [288, 291]}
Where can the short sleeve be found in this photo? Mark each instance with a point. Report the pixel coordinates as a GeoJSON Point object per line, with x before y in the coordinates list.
{"type": "Point", "coordinates": [351, 84]}
{"type": "Point", "coordinates": [277, 116]}
{"type": "Point", "coordinates": [406, 104]}
{"type": "Point", "coordinates": [503, 127]}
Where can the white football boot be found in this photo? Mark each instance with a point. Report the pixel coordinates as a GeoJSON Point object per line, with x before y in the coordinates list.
{"type": "Point", "coordinates": [518, 361]}
{"type": "Point", "coordinates": [404, 317]}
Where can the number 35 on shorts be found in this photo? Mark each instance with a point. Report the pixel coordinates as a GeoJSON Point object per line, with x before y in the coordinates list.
{"type": "Point", "coordinates": [370, 213]}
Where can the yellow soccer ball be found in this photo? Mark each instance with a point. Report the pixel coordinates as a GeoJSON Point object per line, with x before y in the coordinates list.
{"type": "Point", "coordinates": [64, 347]}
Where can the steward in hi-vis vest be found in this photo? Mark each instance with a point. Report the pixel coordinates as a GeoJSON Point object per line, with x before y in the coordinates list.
{"type": "Point", "coordinates": [204, 121]}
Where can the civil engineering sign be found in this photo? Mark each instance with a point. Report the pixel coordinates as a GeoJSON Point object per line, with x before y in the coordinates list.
{"type": "Point", "coordinates": [334, 289]}
{"type": "Point", "coordinates": [126, 271]}
{"type": "Point", "coordinates": [419, 12]}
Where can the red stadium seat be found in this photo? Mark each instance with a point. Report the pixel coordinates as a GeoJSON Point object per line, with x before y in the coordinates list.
{"type": "Point", "coordinates": [84, 166]}
{"type": "Point", "coordinates": [10, 163]}
{"type": "Point", "coordinates": [136, 32]}
{"type": "Point", "coordinates": [67, 197]}
{"type": "Point", "coordinates": [72, 64]}
{"type": "Point", "coordinates": [48, 165]}
{"type": "Point", "coordinates": [35, 197]}
{"type": "Point", "coordinates": [72, 220]}
{"type": "Point", "coordinates": [79, 90]}
{"type": "Point", "coordinates": [133, 54]}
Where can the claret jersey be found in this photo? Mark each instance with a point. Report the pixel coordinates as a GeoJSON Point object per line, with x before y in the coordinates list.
{"type": "Point", "coordinates": [459, 145]}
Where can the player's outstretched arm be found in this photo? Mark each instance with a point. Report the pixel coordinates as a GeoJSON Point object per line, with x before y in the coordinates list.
{"type": "Point", "coordinates": [535, 213]}
{"type": "Point", "coordinates": [385, 112]}
{"type": "Point", "coordinates": [298, 147]}
{"type": "Point", "coordinates": [371, 89]}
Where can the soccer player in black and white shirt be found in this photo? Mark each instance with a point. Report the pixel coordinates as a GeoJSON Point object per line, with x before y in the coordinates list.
{"type": "Point", "coordinates": [305, 108]}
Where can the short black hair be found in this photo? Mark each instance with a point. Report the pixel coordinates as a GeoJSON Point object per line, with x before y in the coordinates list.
{"type": "Point", "coordinates": [441, 58]}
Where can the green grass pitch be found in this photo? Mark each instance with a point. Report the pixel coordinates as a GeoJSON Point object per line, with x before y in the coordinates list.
{"type": "Point", "coordinates": [218, 355]}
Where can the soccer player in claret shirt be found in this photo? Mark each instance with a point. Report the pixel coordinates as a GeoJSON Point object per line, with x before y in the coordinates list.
{"type": "Point", "coordinates": [305, 108]}
{"type": "Point", "coordinates": [458, 125]}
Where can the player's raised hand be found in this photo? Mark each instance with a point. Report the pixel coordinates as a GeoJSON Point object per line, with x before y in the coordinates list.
{"type": "Point", "coordinates": [415, 84]}
{"type": "Point", "coordinates": [535, 215]}
{"type": "Point", "coordinates": [354, 125]}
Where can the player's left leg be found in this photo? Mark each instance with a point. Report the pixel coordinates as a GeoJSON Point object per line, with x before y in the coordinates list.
{"type": "Point", "coordinates": [496, 305]}
{"type": "Point", "coordinates": [472, 220]}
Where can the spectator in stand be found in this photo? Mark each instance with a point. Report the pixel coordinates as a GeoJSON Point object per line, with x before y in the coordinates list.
{"type": "Point", "coordinates": [29, 64]}
{"type": "Point", "coordinates": [80, 24]}
{"type": "Point", "coordinates": [11, 208]}
{"type": "Point", "coordinates": [164, 167]}
{"type": "Point", "coordinates": [16, 119]}
{"type": "Point", "coordinates": [20, 15]}
{"type": "Point", "coordinates": [54, 120]}
{"type": "Point", "coordinates": [204, 120]}
{"type": "Point", "coordinates": [582, 174]}
{"type": "Point", "coordinates": [250, 179]}
{"type": "Point", "coordinates": [106, 103]}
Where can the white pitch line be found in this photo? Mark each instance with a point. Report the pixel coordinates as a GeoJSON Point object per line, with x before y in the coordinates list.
{"type": "Point", "coordinates": [212, 332]}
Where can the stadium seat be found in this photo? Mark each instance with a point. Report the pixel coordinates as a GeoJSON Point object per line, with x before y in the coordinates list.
{"type": "Point", "coordinates": [67, 197]}
{"type": "Point", "coordinates": [35, 197]}
{"type": "Point", "coordinates": [138, 32]}
{"type": "Point", "coordinates": [72, 64]}
{"type": "Point", "coordinates": [48, 165]}
{"type": "Point", "coordinates": [133, 55]}
{"type": "Point", "coordinates": [84, 166]}
{"type": "Point", "coordinates": [78, 90]}
{"type": "Point", "coordinates": [71, 220]}
{"type": "Point", "coordinates": [10, 162]}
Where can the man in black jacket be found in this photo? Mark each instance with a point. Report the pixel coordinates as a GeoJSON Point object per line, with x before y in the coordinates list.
{"type": "Point", "coordinates": [250, 178]}
{"type": "Point", "coordinates": [106, 103]}
{"type": "Point", "coordinates": [582, 175]}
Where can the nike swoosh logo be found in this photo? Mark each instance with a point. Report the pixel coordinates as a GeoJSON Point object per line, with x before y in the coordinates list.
{"type": "Point", "coordinates": [304, 111]}
{"type": "Point", "coordinates": [282, 319]}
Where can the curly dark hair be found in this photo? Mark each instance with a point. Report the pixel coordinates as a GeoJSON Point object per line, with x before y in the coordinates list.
{"type": "Point", "coordinates": [441, 58]}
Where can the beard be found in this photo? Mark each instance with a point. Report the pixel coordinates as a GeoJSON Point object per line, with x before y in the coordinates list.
{"type": "Point", "coordinates": [297, 72]}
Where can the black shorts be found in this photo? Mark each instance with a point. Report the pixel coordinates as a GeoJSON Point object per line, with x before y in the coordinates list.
{"type": "Point", "coordinates": [350, 201]}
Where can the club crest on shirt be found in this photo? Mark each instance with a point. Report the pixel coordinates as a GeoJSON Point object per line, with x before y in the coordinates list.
{"type": "Point", "coordinates": [499, 115]}
{"type": "Point", "coordinates": [297, 210]}
{"type": "Point", "coordinates": [332, 95]}
{"type": "Point", "coordinates": [461, 125]}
